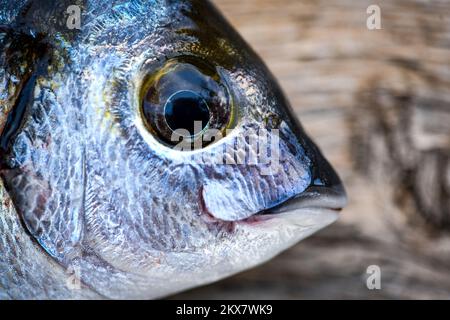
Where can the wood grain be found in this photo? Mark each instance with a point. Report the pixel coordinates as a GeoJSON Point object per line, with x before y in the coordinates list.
{"type": "Point", "coordinates": [378, 104]}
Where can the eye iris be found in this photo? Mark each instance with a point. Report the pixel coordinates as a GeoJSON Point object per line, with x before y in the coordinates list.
{"type": "Point", "coordinates": [187, 110]}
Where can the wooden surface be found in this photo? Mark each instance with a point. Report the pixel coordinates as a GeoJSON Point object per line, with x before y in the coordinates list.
{"type": "Point", "coordinates": [378, 104]}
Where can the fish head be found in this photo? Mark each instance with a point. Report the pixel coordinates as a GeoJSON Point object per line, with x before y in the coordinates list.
{"type": "Point", "coordinates": [156, 152]}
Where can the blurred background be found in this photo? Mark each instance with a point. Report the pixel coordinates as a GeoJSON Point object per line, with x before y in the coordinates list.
{"type": "Point", "coordinates": [377, 102]}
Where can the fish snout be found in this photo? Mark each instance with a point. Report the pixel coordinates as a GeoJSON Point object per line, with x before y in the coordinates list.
{"type": "Point", "coordinates": [304, 180]}
{"type": "Point", "coordinates": [325, 191]}
{"type": "Point", "coordinates": [324, 196]}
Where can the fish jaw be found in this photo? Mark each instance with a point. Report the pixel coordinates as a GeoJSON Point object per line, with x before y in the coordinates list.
{"type": "Point", "coordinates": [265, 240]}
{"type": "Point", "coordinates": [263, 236]}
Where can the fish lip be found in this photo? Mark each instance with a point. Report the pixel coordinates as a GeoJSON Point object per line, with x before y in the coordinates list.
{"type": "Point", "coordinates": [332, 198]}
{"type": "Point", "coordinates": [317, 198]}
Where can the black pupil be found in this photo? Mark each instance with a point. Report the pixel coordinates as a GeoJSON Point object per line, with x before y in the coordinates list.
{"type": "Point", "coordinates": [187, 110]}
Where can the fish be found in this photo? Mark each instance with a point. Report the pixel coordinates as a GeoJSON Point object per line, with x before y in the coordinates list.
{"type": "Point", "coordinates": [145, 149]}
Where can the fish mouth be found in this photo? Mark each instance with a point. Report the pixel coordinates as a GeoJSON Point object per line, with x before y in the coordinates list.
{"type": "Point", "coordinates": [313, 199]}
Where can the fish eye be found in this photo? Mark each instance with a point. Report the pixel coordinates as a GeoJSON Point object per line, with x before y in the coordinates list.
{"type": "Point", "coordinates": [186, 100]}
